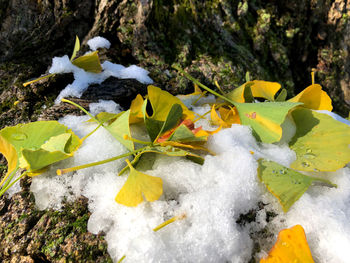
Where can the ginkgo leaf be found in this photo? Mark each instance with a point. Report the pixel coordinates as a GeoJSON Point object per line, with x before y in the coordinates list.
{"type": "Point", "coordinates": [136, 113]}
{"type": "Point", "coordinates": [265, 89]}
{"type": "Point", "coordinates": [76, 48]}
{"type": "Point", "coordinates": [228, 116]}
{"type": "Point", "coordinates": [241, 94]}
{"type": "Point", "coordinates": [162, 101]}
{"type": "Point", "coordinates": [168, 150]}
{"type": "Point", "coordinates": [106, 117]}
{"type": "Point", "coordinates": [10, 154]}
{"type": "Point", "coordinates": [285, 184]}
{"type": "Point", "coordinates": [314, 98]}
{"type": "Point", "coordinates": [258, 89]}
{"type": "Point", "coordinates": [184, 134]}
{"type": "Point", "coordinates": [320, 142]}
{"type": "Point", "coordinates": [265, 118]}
{"type": "Point", "coordinates": [155, 128]}
{"type": "Point", "coordinates": [54, 150]}
{"type": "Point", "coordinates": [138, 185]}
{"type": "Point", "coordinates": [121, 127]}
{"type": "Point", "coordinates": [89, 62]}
{"type": "Point", "coordinates": [50, 135]}
{"type": "Point", "coordinates": [291, 247]}
{"type": "Point", "coordinates": [282, 96]}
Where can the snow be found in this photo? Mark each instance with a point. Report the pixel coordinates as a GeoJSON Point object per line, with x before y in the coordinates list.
{"type": "Point", "coordinates": [211, 196]}
{"type": "Point", "coordinates": [98, 42]}
{"type": "Point", "coordinates": [82, 78]}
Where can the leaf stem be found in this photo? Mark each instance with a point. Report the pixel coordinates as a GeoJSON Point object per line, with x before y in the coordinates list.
{"type": "Point", "coordinates": [127, 137]}
{"type": "Point", "coordinates": [5, 188]}
{"type": "Point", "coordinates": [90, 133]}
{"type": "Point", "coordinates": [121, 259]}
{"type": "Point", "coordinates": [81, 108]}
{"type": "Point", "coordinates": [40, 78]}
{"type": "Point", "coordinates": [72, 169]}
{"type": "Point", "coordinates": [7, 176]}
{"type": "Point", "coordinates": [203, 86]}
{"type": "Point", "coordinates": [169, 221]}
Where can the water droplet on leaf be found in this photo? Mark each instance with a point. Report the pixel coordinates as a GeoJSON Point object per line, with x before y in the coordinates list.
{"type": "Point", "coordinates": [305, 164]}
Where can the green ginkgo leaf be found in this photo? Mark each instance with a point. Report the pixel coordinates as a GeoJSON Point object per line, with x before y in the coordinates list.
{"type": "Point", "coordinates": [320, 142]}
{"type": "Point", "coordinates": [57, 148]}
{"type": "Point", "coordinates": [137, 186]}
{"type": "Point", "coordinates": [121, 127]}
{"type": "Point", "coordinates": [43, 138]}
{"type": "Point", "coordinates": [166, 150]}
{"type": "Point", "coordinates": [155, 127]}
{"type": "Point", "coordinates": [286, 184]}
{"type": "Point", "coordinates": [89, 62]}
{"type": "Point", "coordinates": [265, 118]}
{"type": "Point", "coordinates": [106, 117]}
{"type": "Point", "coordinates": [184, 134]}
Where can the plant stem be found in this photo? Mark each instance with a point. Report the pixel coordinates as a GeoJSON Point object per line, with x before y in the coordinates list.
{"type": "Point", "coordinates": [121, 259]}
{"type": "Point", "coordinates": [8, 175]}
{"type": "Point", "coordinates": [72, 169]}
{"type": "Point", "coordinates": [40, 78]}
{"type": "Point", "coordinates": [203, 86]}
{"type": "Point", "coordinates": [89, 134]}
{"type": "Point", "coordinates": [171, 220]}
{"type": "Point", "coordinates": [81, 108]}
{"type": "Point", "coordinates": [5, 188]}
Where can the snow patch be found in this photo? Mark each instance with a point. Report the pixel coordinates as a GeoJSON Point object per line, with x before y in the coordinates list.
{"type": "Point", "coordinates": [98, 42]}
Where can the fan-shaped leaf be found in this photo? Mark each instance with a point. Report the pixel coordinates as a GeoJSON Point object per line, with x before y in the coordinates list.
{"type": "Point", "coordinates": [320, 142]}
{"type": "Point", "coordinates": [265, 118]}
{"type": "Point", "coordinates": [50, 139]}
{"type": "Point", "coordinates": [285, 184]}
{"type": "Point", "coordinates": [291, 246]}
{"type": "Point", "coordinates": [314, 98]}
{"type": "Point", "coordinates": [89, 62]}
{"type": "Point", "coordinates": [137, 185]}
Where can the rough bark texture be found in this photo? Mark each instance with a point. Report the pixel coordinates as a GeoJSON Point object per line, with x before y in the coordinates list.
{"type": "Point", "coordinates": [214, 40]}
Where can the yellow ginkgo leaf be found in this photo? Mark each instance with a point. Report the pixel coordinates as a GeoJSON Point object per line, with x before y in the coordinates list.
{"type": "Point", "coordinates": [10, 154]}
{"type": "Point", "coordinates": [228, 116]}
{"type": "Point", "coordinates": [215, 118]}
{"type": "Point", "coordinates": [265, 89]}
{"type": "Point", "coordinates": [258, 88]}
{"type": "Point", "coordinates": [314, 98]}
{"type": "Point", "coordinates": [291, 247]}
{"type": "Point", "coordinates": [162, 101]}
{"type": "Point", "coordinates": [136, 114]}
{"type": "Point", "coordinates": [137, 185]}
